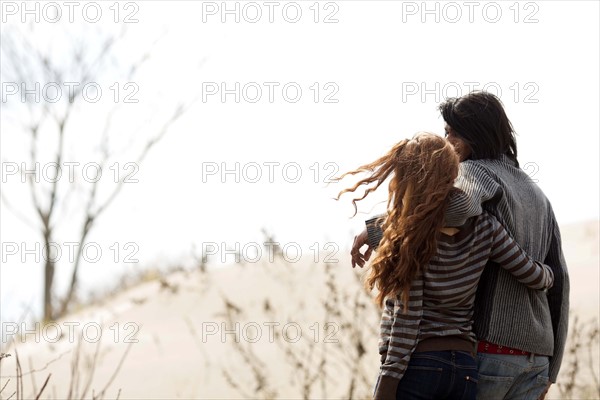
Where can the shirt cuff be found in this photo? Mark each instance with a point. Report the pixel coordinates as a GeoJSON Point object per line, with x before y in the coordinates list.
{"type": "Point", "coordinates": [374, 231]}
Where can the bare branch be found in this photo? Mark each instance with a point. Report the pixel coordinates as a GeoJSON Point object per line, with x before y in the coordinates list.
{"type": "Point", "coordinates": [16, 211]}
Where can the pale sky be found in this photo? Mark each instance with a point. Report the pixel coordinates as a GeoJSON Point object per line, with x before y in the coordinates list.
{"type": "Point", "coordinates": [381, 69]}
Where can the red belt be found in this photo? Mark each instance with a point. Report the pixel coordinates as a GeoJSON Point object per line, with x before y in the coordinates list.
{"type": "Point", "coordinates": [487, 347]}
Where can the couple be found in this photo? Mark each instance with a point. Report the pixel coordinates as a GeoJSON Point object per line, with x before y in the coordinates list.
{"type": "Point", "coordinates": [469, 268]}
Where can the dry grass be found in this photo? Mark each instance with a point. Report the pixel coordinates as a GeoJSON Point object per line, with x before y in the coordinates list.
{"type": "Point", "coordinates": [313, 365]}
{"type": "Point", "coordinates": [83, 367]}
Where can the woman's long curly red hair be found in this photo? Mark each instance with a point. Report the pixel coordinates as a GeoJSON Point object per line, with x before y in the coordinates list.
{"type": "Point", "coordinates": [423, 171]}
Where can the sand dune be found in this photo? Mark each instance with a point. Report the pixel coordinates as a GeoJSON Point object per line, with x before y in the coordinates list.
{"type": "Point", "coordinates": [304, 330]}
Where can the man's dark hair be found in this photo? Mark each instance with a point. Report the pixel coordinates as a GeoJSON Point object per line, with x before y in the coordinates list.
{"type": "Point", "coordinates": [479, 119]}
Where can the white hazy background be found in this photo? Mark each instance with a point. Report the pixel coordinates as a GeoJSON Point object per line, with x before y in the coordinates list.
{"type": "Point", "coordinates": [373, 53]}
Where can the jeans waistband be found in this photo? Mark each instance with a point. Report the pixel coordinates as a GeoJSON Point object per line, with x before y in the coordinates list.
{"type": "Point", "coordinates": [443, 343]}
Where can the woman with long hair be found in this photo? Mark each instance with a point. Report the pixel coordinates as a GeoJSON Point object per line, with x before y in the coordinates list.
{"type": "Point", "coordinates": [426, 274]}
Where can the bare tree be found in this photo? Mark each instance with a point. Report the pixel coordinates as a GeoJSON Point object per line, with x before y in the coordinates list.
{"type": "Point", "coordinates": [25, 62]}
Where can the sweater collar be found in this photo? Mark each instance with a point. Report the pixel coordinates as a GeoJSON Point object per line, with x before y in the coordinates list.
{"type": "Point", "coordinates": [507, 160]}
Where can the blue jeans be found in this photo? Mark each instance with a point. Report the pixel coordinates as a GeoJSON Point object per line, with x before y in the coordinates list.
{"type": "Point", "coordinates": [511, 377]}
{"type": "Point", "coordinates": [439, 375]}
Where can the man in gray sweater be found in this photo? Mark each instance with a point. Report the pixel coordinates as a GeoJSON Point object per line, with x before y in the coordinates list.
{"type": "Point", "coordinates": [521, 332]}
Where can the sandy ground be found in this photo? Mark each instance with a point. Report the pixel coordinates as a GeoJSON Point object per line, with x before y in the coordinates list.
{"type": "Point", "coordinates": [183, 334]}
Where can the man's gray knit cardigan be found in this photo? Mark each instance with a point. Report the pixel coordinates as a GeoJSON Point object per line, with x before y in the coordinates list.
{"type": "Point", "coordinates": [506, 312]}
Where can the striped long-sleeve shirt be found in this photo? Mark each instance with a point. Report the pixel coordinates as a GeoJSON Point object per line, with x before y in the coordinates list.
{"type": "Point", "coordinates": [442, 296]}
{"type": "Point", "coordinates": [506, 312]}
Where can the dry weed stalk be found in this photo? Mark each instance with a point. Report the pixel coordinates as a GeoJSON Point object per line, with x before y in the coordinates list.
{"type": "Point", "coordinates": [259, 371]}
{"type": "Point", "coordinates": [302, 357]}
{"type": "Point", "coordinates": [581, 336]}
{"type": "Point", "coordinates": [355, 308]}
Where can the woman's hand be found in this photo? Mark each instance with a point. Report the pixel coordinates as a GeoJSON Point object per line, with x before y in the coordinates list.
{"type": "Point", "coordinates": [359, 241]}
{"type": "Point", "coordinates": [386, 388]}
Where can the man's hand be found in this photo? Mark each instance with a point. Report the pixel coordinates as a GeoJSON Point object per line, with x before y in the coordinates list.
{"type": "Point", "coordinates": [357, 257]}
{"type": "Point", "coordinates": [543, 395]}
